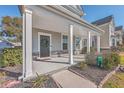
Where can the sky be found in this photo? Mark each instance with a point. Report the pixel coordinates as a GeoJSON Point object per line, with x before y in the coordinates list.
{"type": "Point", "coordinates": [9, 10]}
{"type": "Point", "coordinates": [94, 12]}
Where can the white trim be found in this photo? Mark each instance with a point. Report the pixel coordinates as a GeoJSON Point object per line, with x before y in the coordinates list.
{"type": "Point", "coordinates": [45, 34]}
{"type": "Point", "coordinates": [28, 11]}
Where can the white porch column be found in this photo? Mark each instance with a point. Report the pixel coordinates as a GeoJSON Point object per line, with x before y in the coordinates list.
{"type": "Point", "coordinates": [115, 42]}
{"type": "Point", "coordinates": [71, 44]}
{"type": "Point", "coordinates": [98, 44]}
{"type": "Point", "coordinates": [27, 43]}
{"type": "Point", "coordinates": [91, 40]}
{"type": "Point", "coordinates": [88, 42]}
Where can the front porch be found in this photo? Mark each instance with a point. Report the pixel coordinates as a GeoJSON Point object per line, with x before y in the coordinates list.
{"type": "Point", "coordinates": [46, 41]}
{"type": "Point", "coordinates": [54, 63]}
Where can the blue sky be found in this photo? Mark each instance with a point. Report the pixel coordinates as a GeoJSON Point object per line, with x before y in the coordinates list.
{"type": "Point", "coordinates": [9, 10]}
{"type": "Point", "coordinates": [94, 12]}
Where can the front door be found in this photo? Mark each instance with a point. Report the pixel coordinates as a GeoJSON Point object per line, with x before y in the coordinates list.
{"type": "Point", "coordinates": [44, 46]}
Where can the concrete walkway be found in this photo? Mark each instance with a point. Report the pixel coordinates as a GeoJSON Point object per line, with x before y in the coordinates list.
{"type": "Point", "coordinates": [68, 79]}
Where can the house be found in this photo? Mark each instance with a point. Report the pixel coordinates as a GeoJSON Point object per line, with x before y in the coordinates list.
{"type": "Point", "coordinates": [119, 34]}
{"type": "Point", "coordinates": [51, 30]}
{"type": "Point", "coordinates": [108, 39]}
{"type": "Point", "coordinates": [0, 28]}
{"type": "Point", "coordinates": [5, 44]}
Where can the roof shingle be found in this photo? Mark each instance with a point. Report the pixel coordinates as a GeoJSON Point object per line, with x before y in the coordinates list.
{"type": "Point", "coordinates": [103, 20]}
{"type": "Point", "coordinates": [118, 28]}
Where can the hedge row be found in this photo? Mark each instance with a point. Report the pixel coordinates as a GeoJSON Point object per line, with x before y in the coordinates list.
{"type": "Point", "coordinates": [10, 57]}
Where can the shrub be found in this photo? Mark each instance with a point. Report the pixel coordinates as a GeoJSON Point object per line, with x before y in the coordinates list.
{"type": "Point", "coordinates": [82, 65]}
{"type": "Point", "coordinates": [91, 58]}
{"type": "Point", "coordinates": [39, 81]}
{"type": "Point", "coordinates": [107, 64]}
{"type": "Point", "coordinates": [110, 60]}
{"type": "Point", "coordinates": [115, 58]}
{"type": "Point", "coordinates": [2, 74]}
{"type": "Point", "coordinates": [11, 57]}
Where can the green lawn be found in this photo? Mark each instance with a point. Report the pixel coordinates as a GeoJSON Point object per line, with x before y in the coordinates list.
{"type": "Point", "coordinates": [122, 60]}
{"type": "Point", "coordinates": [116, 81]}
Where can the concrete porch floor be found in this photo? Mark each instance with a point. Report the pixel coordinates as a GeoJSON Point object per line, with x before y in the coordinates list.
{"type": "Point", "coordinates": [54, 63]}
{"type": "Point", "coordinates": [46, 67]}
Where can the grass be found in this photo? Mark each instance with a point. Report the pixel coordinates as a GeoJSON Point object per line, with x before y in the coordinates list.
{"type": "Point", "coordinates": [116, 81]}
{"type": "Point", "coordinates": [122, 60]}
{"type": "Point", "coordinates": [2, 74]}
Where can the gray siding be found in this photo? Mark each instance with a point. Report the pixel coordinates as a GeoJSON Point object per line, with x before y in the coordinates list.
{"type": "Point", "coordinates": [105, 36]}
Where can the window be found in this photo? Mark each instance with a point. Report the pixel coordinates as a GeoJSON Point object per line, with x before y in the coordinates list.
{"type": "Point", "coordinates": [113, 42]}
{"type": "Point", "coordinates": [77, 40]}
{"type": "Point", "coordinates": [85, 42]}
{"type": "Point", "coordinates": [65, 42]}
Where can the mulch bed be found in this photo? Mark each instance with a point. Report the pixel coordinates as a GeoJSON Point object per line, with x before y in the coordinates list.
{"type": "Point", "coordinates": [11, 74]}
{"type": "Point", "coordinates": [92, 73]}
{"type": "Point", "coordinates": [9, 80]}
{"type": "Point", "coordinates": [49, 83]}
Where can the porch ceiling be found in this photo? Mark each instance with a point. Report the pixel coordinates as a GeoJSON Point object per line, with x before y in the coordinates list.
{"type": "Point", "coordinates": [50, 21]}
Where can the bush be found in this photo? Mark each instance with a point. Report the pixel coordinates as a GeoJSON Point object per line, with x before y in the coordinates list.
{"type": "Point", "coordinates": [11, 57]}
{"type": "Point", "coordinates": [82, 65]}
{"type": "Point", "coordinates": [39, 81]}
{"type": "Point", "coordinates": [110, 60]}
{"type": "Point", "coordinates": [115, 58]}
{"type": "Point", "coordinates": [107, 64]}
{"type": "Point", "coordinates": [91, 58]}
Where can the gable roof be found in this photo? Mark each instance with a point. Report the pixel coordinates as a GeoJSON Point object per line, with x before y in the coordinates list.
{"type": "Point", "coordinates": [118, 28]}
{"type": "Point", "coordinates": [103, 20]}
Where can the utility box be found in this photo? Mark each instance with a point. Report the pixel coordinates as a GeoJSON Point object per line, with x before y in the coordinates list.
{"type": "Point", "coordinates": [99, 61]}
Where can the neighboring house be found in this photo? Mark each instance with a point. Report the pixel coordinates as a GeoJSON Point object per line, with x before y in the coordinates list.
{"type": "Point", "coordinates": [0, 28]}
{"type": "Point", "coordinates": [5, 44]}
{"type": "Point", "coordinates": [51, 29]}
{"type": "Point", "coordinates": [108, 39]}
{"type": "Point", "coordinates": [119, 34]}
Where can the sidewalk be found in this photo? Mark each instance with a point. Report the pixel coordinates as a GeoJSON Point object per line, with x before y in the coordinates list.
{"type": "Point", "coordinates": [68, 79]}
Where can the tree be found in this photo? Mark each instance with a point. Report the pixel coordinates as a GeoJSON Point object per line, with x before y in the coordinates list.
{"type": "Point", "coordinates": [13, 27]}
{"type": "Point", "coordinates": [6, 20]}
